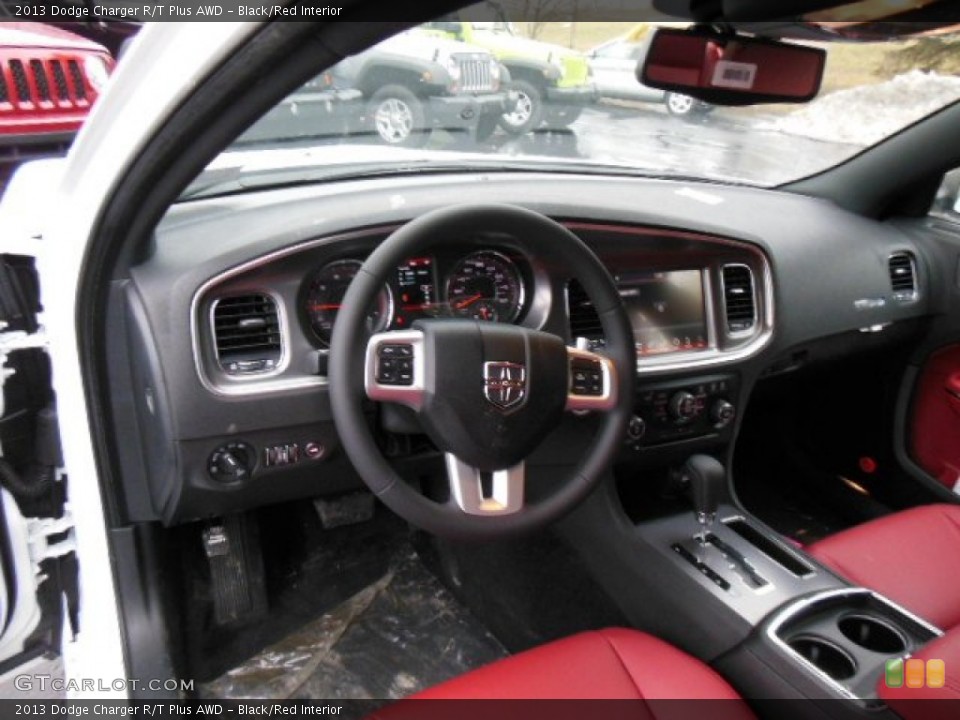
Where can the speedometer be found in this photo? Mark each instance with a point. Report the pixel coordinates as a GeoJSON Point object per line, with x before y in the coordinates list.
{"type": "Point", "coordinates": [486, 285]}
{"type": "Point", "coordinates": [325, 293]}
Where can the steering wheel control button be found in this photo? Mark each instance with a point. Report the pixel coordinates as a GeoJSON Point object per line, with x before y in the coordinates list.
{"type": "Point", "coordinates": [586, 377]}
{"type": "Point", "coordinates": [395, 364]}
{"type": "Point", "coordinates": [591, 383]}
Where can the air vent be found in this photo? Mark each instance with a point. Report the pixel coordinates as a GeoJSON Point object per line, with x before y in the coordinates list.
{"type": "Point", "coordinates": [903, 276]}
{"type": "Point", "coordinates": [739, 299]}
{"type": "Point", "coordinates": [246, 332]}
{"type": "Point", "coordinates": [584, 321]}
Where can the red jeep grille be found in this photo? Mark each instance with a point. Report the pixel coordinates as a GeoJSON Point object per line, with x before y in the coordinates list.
{"type": "Point", "coordinates": [51, 81]}
{"type": "Point", "coordinates": [20, 80]}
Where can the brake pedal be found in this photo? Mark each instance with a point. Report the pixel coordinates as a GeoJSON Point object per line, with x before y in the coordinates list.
{"type": "Point", "coordinates": [238, 587]}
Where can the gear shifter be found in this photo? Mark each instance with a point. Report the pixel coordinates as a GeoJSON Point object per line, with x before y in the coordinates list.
{"type": "Point", "coordinates": [706, 476]}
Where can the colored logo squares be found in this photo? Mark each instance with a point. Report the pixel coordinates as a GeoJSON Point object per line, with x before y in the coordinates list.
{"type": "Point", "coordinates": [915, 673]}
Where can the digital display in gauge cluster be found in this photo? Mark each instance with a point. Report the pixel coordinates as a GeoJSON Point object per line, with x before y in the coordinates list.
{"type": "Point", "coordinates": [417, 291]}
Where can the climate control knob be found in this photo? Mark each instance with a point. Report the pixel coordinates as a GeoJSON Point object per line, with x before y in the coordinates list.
{"type": "Point", "coordinates": [683, 406]}
{"type": "Point", "coordinates": [636, 428]}
{"type": "Point", "coordinates": [722, 413]}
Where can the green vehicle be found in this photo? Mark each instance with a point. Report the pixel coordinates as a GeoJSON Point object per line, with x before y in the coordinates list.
{"type": "Point", "coordinates": [552, 83]}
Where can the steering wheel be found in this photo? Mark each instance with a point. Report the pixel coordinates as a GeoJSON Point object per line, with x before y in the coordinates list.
{"type": "Point", "coordinates": [485, 393]}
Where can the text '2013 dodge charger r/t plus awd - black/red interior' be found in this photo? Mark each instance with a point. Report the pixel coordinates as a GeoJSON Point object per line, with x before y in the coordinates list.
{"type": "Point", "coordinates": [634, 407]}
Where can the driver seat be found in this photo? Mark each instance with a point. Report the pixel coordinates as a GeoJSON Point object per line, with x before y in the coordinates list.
{"type": "Point", "coordinates": [611, 664]}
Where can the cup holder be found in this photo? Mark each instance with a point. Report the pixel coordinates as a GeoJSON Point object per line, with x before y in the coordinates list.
{"type": "Point", "coordinates": [824, 655]}
{"type": "Point", "coordinates": [872, 634]}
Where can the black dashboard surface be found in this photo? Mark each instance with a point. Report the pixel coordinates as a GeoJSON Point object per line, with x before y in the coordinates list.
{"type": "Point", "coordinates": [828, 271]}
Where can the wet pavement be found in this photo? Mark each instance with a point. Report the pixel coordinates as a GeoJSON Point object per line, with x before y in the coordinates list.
{"type": "Point", "coordinates": [726, 144]}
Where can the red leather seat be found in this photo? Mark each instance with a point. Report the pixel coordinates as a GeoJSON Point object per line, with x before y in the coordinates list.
{"type": "Point", "coordinates": [912, 557]}
{"type": "Point", "coordinates": [612, 664]}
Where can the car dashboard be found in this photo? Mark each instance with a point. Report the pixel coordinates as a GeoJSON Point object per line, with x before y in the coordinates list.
{"type": "Point", "coordinates": [229, 321]}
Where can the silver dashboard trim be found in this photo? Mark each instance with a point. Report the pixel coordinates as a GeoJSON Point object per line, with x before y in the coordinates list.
{"type": "Point", "coordinates": [713, 356]}
{"type": "Point", "coordinates": [717, 356]}
{"type": "Point", "coordinates": [219, 383]}
{"type": "Point", "coordinates": [281, 326]}
{"type": "Point", "coordinates": [226, 385]}
{"type": "Point", "coordinates": [737, 334]}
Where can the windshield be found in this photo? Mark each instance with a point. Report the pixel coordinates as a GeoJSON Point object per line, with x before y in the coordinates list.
{"type": "Point", "coordinates": [563, 97]}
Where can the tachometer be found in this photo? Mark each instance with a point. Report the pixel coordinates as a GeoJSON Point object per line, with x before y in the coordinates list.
{"type": "Point", "coordinates": [325, 295]}
{"type": "Point", "coordinates": [486, 285]}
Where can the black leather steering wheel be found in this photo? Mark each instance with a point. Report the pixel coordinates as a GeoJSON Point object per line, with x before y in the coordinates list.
{"type": "Point", "coordinates": [485, 393]}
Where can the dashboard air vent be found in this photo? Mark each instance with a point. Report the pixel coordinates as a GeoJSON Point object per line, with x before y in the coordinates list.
{"type": "Point", "coordinates": [903, 276]}
{"type": "Point", "coordinates": [584, 321]}
{"type": "Point", "coordinates": [246, 332]}
{"type": "Point", "coordinates": [739, 298]}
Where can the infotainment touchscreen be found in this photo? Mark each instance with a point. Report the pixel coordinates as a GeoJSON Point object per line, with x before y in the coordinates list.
{"type": "Point", "coordinates": [666, 310]}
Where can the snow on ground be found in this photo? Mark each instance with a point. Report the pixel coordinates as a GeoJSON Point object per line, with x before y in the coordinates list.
{"type": "Point", "coordinates": [865, 115]}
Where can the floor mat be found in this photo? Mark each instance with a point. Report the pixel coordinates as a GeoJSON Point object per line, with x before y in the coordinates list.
{"type": "Point", "coordinates": [399, 635]}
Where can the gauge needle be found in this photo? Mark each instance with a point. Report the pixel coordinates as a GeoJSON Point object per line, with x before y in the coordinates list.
{"type": "Point", "coordinates": [469, 301]}
{"type": "Point", "coordinates": [326, 306]}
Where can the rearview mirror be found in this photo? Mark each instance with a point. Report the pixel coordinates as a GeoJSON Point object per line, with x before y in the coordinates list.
{"type": "Point", "coordinates": [732, 69]}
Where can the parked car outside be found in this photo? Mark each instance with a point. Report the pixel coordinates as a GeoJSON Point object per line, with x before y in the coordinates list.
{"type": "Point", "coordinates": [320, 108]}
{"type": "Point", "coordinates": [49, 80]}
{"type": "Point", "coordinates": [416, 82]}
{"type": "Point", "coordinates": [552, 82]}
{"type": "Point", "coordinates": [614, 67]}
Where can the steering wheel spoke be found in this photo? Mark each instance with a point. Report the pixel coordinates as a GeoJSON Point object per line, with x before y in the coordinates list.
{"type": "Point", "coordinates": [466, 488]}
{"type": "Point", "coordinates": [592, 381]}
{"type": "Point", "coordinates": [396, 368]}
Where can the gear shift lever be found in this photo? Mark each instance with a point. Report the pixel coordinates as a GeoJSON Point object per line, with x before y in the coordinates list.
{"type": "Point", "coordinates": [706, 476]}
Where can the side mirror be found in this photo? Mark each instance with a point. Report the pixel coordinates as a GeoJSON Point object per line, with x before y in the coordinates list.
{"type": "Point", "coordinates": [732, 69]}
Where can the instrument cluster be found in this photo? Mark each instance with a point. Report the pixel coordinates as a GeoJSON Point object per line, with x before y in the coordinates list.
{"type": "Point", "coordinates": [487, 284]}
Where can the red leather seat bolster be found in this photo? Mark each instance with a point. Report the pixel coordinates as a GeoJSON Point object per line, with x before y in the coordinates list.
{"type": "Point", "coordinates": [912, 557]}
{"type": "Point", "coordinates": [612, 664]}
{"type": "Point", "coordinates": [914, 703]}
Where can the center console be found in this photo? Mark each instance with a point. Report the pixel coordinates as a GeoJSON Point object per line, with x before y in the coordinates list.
{"type": "Point", "coordinates": [813, 635]}
{"type": "Point", "coordinates": [844, 638]}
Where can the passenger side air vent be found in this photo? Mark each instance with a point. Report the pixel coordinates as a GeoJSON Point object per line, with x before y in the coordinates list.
{"type": "Point", "coordinates": [246, 331]}
{"type": "Point", "coordinates": [584, 321]}
{"type": "Point", "coordinates": [903, 276]}
{"type": "Point", "coordinates": [739, 299]}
